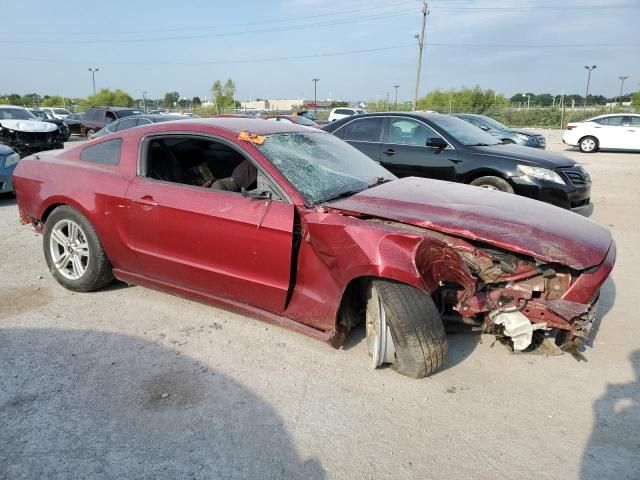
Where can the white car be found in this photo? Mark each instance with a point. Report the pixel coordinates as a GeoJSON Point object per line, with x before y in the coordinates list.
{"type": "Point", "coordinates": [338, 113]}
{"type": "Point", "coordinates": [615, 131]}
{"type": "Point", "coordinates": [59, 113]}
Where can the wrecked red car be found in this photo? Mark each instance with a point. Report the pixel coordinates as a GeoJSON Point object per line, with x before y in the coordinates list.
{"type": "Point", "coordinates": [294, 226]}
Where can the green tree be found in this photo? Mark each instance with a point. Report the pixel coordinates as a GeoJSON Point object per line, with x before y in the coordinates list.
{"type": "Point", "coordinates": [196, 102]}
{"type": "Point", "coordinates": [170, 99]}
{"type": "Point", "coordinates": [472, 100]}
{"type": "Point", "coordinates": [223, 95]}
{"type": "Point", "coordinates": [108, 98]}
{"type": "Point", "coordinates": [52, 101]}
{"type": "Point", "coordinates": [635, 101]}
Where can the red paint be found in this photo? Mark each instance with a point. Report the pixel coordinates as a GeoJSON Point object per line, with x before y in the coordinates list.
{"type": "Point", "coordinates": [238, 252]}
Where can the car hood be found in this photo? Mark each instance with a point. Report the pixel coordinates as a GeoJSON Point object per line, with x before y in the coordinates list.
{"type": "Point", "coordinates": [28, 125]}
{"type": "Point", "coordinates": [504, 220]}
{"type": "Point", "coordinates": [531, 133]}
{"type": "Point", "coordinates": [525, 155]}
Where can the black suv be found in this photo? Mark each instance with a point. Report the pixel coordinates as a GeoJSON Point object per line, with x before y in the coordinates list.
{"type": "Point", "coordinates": [97, 117]}
{"type": "Point", "coordinates": [443, 147]}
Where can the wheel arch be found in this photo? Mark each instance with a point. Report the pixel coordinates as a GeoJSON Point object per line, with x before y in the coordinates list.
{"type": "Point", "coordinates": [485, 172]}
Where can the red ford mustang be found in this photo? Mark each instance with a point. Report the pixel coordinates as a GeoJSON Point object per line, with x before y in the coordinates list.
{"type": "Point", "coordinates": [296, 227]}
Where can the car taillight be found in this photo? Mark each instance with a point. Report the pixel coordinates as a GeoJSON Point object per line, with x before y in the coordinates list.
{"type": "Point", "coordinates": [570, 127]}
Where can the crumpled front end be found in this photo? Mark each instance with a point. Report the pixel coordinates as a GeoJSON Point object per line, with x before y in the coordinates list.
{"type": "Point", "coordinates": [25, 143]}
{"type": "Point", "coordinates": [509, 294]}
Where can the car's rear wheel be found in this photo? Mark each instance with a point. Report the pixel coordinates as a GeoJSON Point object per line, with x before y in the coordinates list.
{"type": "Point", "coordinates": [588, 144]}
{"type": "Point", "coordinates": [404, 329]}
{"type": "Point", "coordinates": [73, 251]}
{"type": "Point", "coordinates": [90, 133]}
{"type": "Point", "coordinates": [491, 182]}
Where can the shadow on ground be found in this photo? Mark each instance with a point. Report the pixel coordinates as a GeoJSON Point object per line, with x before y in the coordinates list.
{"type": "Point", "coordinates": [613, 450]}
{"type": "Point", "coordinates": [86, 404]}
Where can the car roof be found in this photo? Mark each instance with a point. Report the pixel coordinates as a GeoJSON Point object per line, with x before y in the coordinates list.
{"type": "Point", "coordinates": [114, 109]}
{"type": "Point", "coordinates": [12, 106]}
{"type": "Point", "coordinates": [236, 125]}
{"type": "Point", "coordinates": [618, 115]}
{"type": "Point", "coordinates": [399, 114]}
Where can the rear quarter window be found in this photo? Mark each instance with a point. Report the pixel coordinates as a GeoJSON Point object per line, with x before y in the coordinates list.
{"type": "Point", "coordinates": [105, 153]}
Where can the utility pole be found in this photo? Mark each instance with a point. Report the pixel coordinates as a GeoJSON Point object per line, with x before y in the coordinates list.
{"type": "Point", "coordinates": [425, 12]}
{"type": "Point", "coordinates": [93, 75]}
{"type": "Point", "coordinates": [586, 95]}
{"type": "Point", "coordinates": [144, 101]}
{"type": "Point", "coordinates": [622, 79]}
{"type": "Point", "coordinates": [315, 95]}
{"type": "Point", "coordinates": [396, 102]}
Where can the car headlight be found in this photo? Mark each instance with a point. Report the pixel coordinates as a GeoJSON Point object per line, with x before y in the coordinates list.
{"type": "Point", "coordinates": [11, 160]}
{"type": "Point", "coordinates": [541, 173]}
{"type": "Point", "coordinates": [523, 136]}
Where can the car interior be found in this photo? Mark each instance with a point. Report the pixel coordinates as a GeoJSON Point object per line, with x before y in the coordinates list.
{"type": "Point", "coordinates": [200, 162]}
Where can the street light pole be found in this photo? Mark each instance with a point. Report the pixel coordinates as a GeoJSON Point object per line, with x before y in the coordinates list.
{"type": "Point", "coordinates": [420, 38]}
{"type": "Point", "coordinates": [396, 103]}
{"type": "Point", "coordinates": [144, 101]}
{"type": "Point", "coordinates": [93, 76]}
{"type": "Point", "coordinates": [622, 79]}
{"type": "Point", "coordinates": [315, 95]}
{"type": "Point", "coordinates": [586, 95]}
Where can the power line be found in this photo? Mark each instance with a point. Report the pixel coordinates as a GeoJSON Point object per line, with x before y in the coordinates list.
{"type": "Point", "coordinates": [369, 8]}
{"type": "Point", "coordinates": [220, 34]}
{"type": "Point", "coordinates": [530, 7]}
{"type": "Point", "coordinates": [319, 55]}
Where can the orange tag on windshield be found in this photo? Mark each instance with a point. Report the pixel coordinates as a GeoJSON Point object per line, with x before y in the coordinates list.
{"type": "Point", "coordinates": [252, 137]}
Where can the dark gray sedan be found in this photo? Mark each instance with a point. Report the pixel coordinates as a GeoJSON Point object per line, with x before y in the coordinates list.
{"type": "Point", "coordinates": [134, 121]}
{"type": "Point", "coordinates": [503, 133]}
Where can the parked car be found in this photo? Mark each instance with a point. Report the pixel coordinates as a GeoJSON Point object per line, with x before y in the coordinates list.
{"type": "Point", "coordinates": [60, 113]}
{"type": "Point", "coordinates": [74, 122]}
{"type": "Point", "coordinates": [97, 118]}
{"type": "Point", "coordinates": [446, 148]}
{"type": "Point", "coordinates": [503, 133]}
{"type": "Point", "coordinates": [338, 113]}
{"type": "Point", "coordinates": [134, 121]}
{"type": "Point", "coordinates": [22, 131]}
{"type": "Point", "coordinates": [305, 231]}
{"type": "Point", "coordinates": [605, 132]}
{"type": "Point", "coordinates": [8, 161]}
{"type": "Point", "coordinates": [46, 117]}
{"type": "Point", "coordinates": [297, 119]}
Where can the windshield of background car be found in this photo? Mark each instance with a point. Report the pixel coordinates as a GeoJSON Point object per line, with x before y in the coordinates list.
{"type": "Point", "coordinates": [320, 166]}
{"type": "Point", "coordinates": [463, 132]}
{"type": "Point", "coordinates": [360, 112]}
{"type": "Point", "coordinates": [16, 114]}
{"type": "Point", "coordinates": [494, 123]}
{"type": "Point", "coordinates": [126, 113]}
{"type": "Point", "coordinates": [300, 120]}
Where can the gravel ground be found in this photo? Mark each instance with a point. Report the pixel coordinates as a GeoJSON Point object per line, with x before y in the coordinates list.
{"type": "Point", "coordinates": [132, 383]}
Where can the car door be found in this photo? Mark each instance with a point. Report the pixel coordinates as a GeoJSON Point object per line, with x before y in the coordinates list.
{"type": "Point", "coordinates": [405, 152]}
{"type": "Point", "coordinates": [630, 132]}
{"type": "Point", "coordinates": [217, 242]}
{"type": "Point", "coordinates": [610, 132]}
{"type": "Point", "coordinates": [365, 134]}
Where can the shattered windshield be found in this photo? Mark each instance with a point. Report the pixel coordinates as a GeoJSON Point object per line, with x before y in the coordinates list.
{"type": "Point", "coordinates": [321, 166]}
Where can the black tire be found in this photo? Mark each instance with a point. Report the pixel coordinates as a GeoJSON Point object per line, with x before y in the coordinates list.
{"type": "Point", "coordinates": [416, 328]}
{"type": "Point", "coordinates": [588, 144]}
{"type": "Point", "coordinates": [98, 271]}
{"type": "Point", "coordinates": [507, 141]}
{"type": "Point", "coordinates": [493, 183]}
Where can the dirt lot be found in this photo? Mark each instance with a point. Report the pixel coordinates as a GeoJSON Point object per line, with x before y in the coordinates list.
{"type": "Point", "coordinates": [133, 383]}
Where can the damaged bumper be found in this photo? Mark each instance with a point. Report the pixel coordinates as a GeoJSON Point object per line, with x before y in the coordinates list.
{"type": "Point", "coordinates": [27, 143]}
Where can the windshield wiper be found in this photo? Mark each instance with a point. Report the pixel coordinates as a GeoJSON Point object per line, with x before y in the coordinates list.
{"type": "Point", "coordinates": [348, 193]}
{"type": "Point", "coordinates": [379, 181]}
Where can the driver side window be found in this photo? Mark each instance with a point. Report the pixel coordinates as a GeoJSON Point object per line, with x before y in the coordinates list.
{"type": "Point", "coordinates": [200, 162]}
{"type": "Point", "coordinates": [406, 131]}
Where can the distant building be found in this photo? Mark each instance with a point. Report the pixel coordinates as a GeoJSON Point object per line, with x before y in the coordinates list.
{"type": "Point", "coordinates": [283, 104]}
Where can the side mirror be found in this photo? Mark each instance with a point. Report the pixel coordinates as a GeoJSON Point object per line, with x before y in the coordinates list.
{"type": "Point", "coordinates": [437, 142]}
{"type": "Point", "coordinates": [256, 194]}
{"type": "Point", "coordinates": [485, 128]}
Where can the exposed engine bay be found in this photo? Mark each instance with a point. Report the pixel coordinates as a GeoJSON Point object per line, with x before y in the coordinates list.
{"type": "Point", "coordinates": [30, 136]}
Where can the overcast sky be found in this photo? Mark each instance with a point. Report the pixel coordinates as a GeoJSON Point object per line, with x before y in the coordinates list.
{"type": "Point", "coordinates": [158, 46]}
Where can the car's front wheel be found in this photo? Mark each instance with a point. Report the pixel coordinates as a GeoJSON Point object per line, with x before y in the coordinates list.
{"type": "Point", "coordinates": [404, 329]}
{"type": "Point", "coordinates": [491, 182]}
{"type": "Point", "coordinates": [588, 144]}
{"type": "Point", "coordinates": [90, 133]}
{"type": "Point", "coordinates": [73, 251]}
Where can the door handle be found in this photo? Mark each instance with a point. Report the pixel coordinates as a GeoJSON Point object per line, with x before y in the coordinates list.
{"type": "Point", "coordinates": [147, 201]}
{"type": "Point", "coordinates": [390, 152]}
